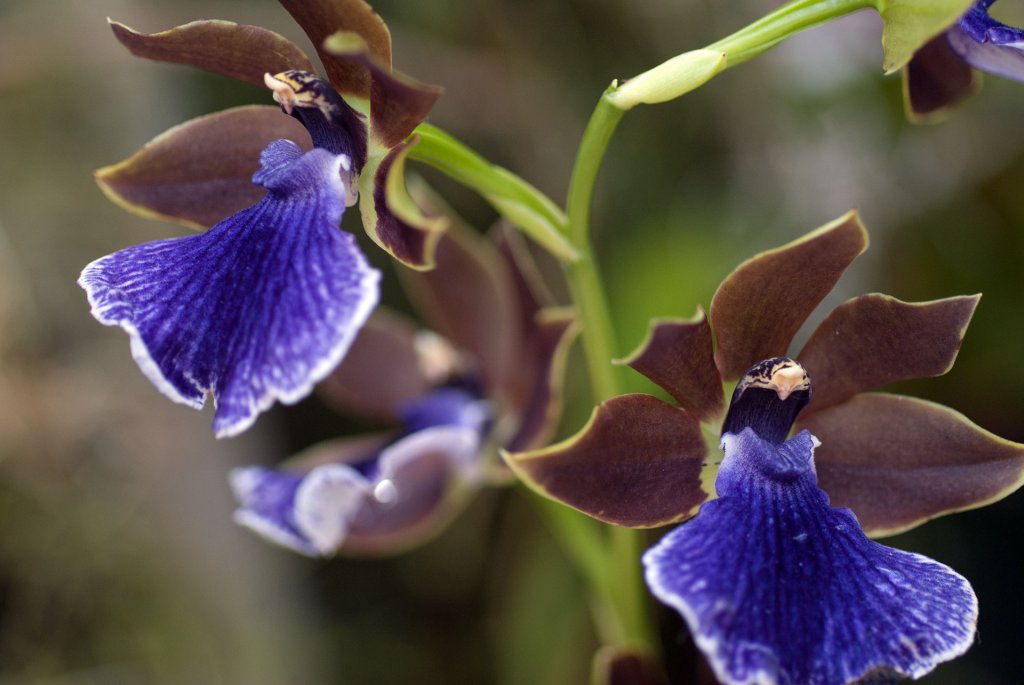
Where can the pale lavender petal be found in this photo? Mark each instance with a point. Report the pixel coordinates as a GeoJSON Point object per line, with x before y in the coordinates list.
{"type": "Point", "coordinates": [259, 308]}
{"type": "Point", "coordinates": [399, 495]}
{"type": "Point", "coordinates": [309, 513]}
{"type": "Point", "coordinates": [420, 483]}
{"type": "Point", "coordinates": [987, 44]}
{"type": "Point", "coordinates": [778, 587]}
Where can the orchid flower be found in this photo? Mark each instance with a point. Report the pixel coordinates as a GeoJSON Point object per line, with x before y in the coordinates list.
{"type": "Point", "coordinates": [737, 575]}
{"type": "Point", "coordinates": [487, 375]}
{"type": "Point", "coordinates": [197, 173]}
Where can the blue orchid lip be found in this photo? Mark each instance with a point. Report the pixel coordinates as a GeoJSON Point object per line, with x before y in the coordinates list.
{"type": "Point", "coordinates": [256, 310]}
{"type": "Point", "coordinates": [778, 587]}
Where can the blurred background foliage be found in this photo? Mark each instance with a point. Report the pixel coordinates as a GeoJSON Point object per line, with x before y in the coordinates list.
{"type": "Point", "coordinates": [119, 563]}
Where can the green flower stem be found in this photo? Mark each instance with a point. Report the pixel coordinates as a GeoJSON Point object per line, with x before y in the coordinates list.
{"type": "Point", "coordinates": [622, 560]}
{"type": "Point", "coordinates": [583, 541]}
{"type": "Point", "coordinates": [583, 276]}
{"type": "Point", "coordinates": [790, 19]}
{"type": "Point", "coordinates": [513, 198]}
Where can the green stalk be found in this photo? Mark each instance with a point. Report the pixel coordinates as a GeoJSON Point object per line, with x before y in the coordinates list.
{"type": "Point", "coordinates": [773, 28]}
{"type": "Point", "coordinates": [585, 282]}
{"type": "Point", "coordinates": [515, 199]}
{"type": "Point", "coordinates": [629, 599]}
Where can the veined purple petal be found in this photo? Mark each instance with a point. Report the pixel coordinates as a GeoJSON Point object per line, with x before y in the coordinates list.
{"type": "Point", "coordinates": [259, 308]}
{"type": "Point", "coordinates": [779, 588]}
{"type": "Point", "coordinates": [987, 44]}
{"type": "Point", "coordinates": [309, 513]}
{"type": "Point", "coordinates": [399, 495]}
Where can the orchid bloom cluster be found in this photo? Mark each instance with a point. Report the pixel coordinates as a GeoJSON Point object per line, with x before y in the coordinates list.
{"type": "Point", "coordinates": [777, 491]}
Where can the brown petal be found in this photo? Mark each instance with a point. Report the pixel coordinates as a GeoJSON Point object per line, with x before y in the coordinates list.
{"type": "Point", "coordinates": [533, 391]}
{"type": "Point", "coordinates": [935, 80]}
{"type": "Point", "coordinates": [321, 18]}
{"type": "Point", "coordinates": [223, 47]}
{"type": "Point", "coordinates": [899, 461]}
{"type": "Point", "coordinates": [469, 299]}
{"type": "Point", "coordinates": [544, 372]}
{"type": "Point", "coordinates": [678, 355]}
{"type": "Point", "coordinates": [381, 371]}
{"type": "Point", "coordinates": [759, 307]}
{"type": "Point", "coordinates": [201, 171]}
{"type": "Point", "coordinates": [391, 218]}
{"type": "Point", "coordinates": [637, 463]}
{"type": "Point", "coordinates": [398, 104]}
{"type": "Point", "coordinates": [873, 340]}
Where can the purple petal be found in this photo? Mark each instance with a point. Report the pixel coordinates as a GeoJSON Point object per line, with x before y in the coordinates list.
{"type": "Point", "coordinates": [987, 44]}
{"type": "Point", "coordinates": [778, 587]}
{"type": "Point", "coordinates": [257, 309]}
{"type": "Point", "coordinates": [332, 123]}
{"type": "Point", "coordinates": [358, 501]}
{"type": "Point", "coordinates": [309, 513]}
{"type": "Point", "coordinates": [448, 406]}
{"type": "Point", "coordinates": [421, 482]}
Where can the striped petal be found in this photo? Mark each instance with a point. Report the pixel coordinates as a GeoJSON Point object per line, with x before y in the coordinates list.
{"type": "Point", "coordinates": [257, 309]}
{"type": "Point", "coordinates": [778, 587]}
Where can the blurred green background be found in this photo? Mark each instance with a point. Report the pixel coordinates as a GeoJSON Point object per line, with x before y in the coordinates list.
{"type": "Point", "coordinates": [119, 562]}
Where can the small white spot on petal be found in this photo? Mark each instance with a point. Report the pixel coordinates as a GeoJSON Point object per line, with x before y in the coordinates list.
{"type": "Point", "coordinates": [385, 492]}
